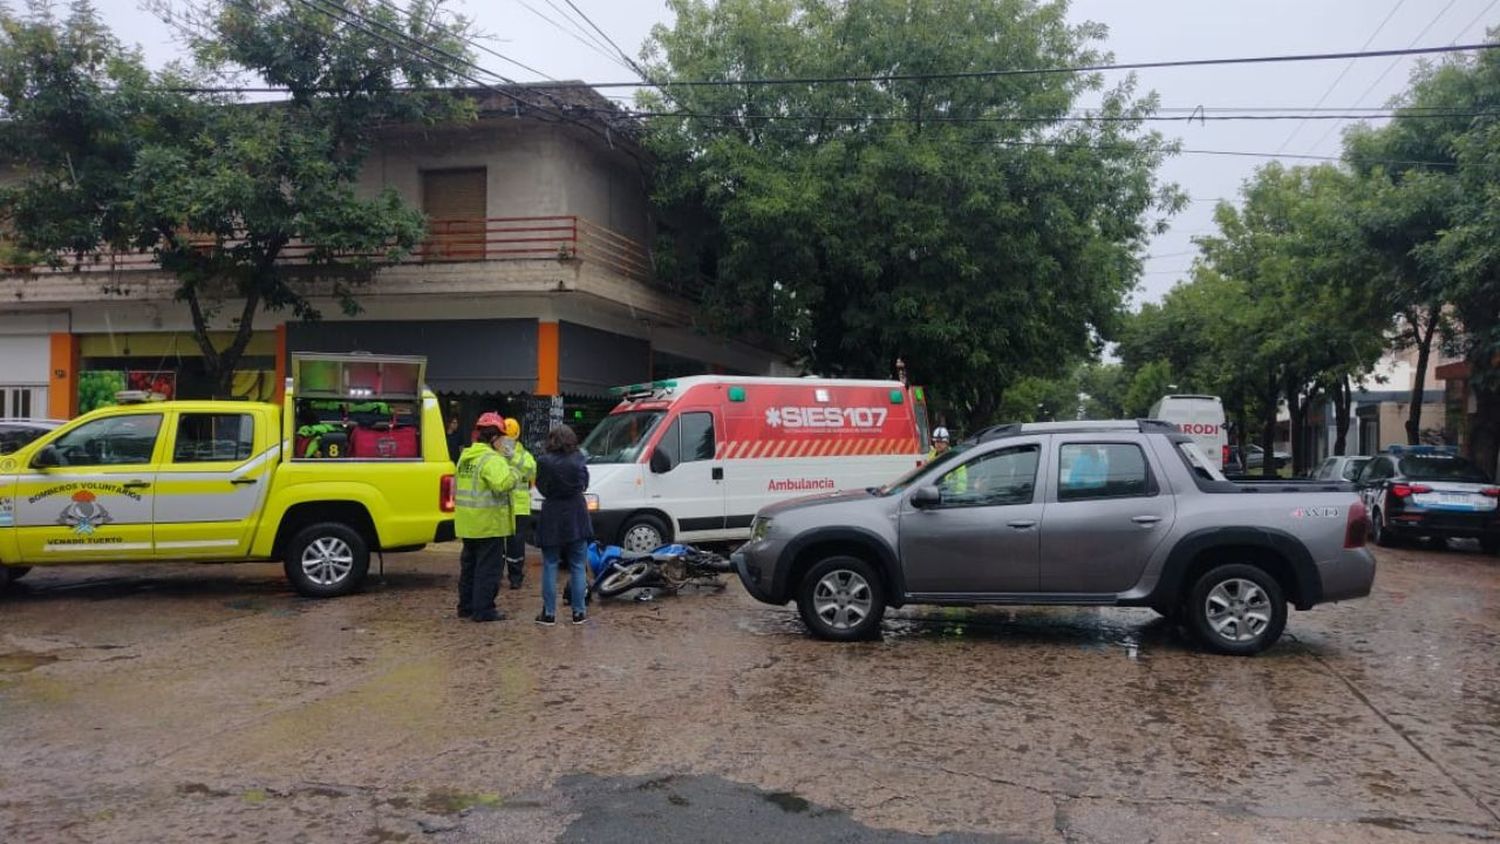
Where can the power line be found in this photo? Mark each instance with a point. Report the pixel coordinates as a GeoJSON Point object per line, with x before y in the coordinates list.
{"type": "Point", "coordinates": [1038, 71]}
{"type": "Point", "coordinates": [1043, 119]}
{"type": "Point", "coordinates": [570, 33]}
{"type": "Point", "coordinates": [1475, 19]}
{"type": "Point", "coordinates": [602, 34]}
{"type": "Point", "coordinates": [1390, 67]}
{"type": "Point", "coordinates": [473, 42]}
{"type": "Point", "coordinates": [1345, 72]}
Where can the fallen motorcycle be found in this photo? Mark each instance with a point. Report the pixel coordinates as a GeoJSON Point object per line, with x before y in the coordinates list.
{"type": "Point", "coordinates": [668, 568]}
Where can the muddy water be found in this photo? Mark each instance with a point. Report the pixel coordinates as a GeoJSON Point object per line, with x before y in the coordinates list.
{"type": "Point", "coordinates": [177, 703]}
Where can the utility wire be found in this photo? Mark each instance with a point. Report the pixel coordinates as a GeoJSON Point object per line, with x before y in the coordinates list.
{"type": "Point", "coordinates": [1040, 71]}
{"type": "Point", "coordinates": [355, 20]}
{"type": "Point", "coordinates": [583, 30]}
{"type": "Point", "coordinates": [473, 42]}
{"type": "Point", "coordinates": [1345, 72]}
{"type": "Point", "coordinates": [1475, 19]}
{"type": "Point", "coordinates": [1388, 68]}
{"type": "Point", "coordinates": [1045, 119]}
{"type": "Point", "coordinates": [602, 34]}
{"type": "Point", "coordinates": [570, 33]}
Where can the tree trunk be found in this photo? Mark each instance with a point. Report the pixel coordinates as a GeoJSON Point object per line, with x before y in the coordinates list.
{"type": "Point", "coordinates": [1268, 430]}
{"type": "Point", "coordinates": [1343, 401]}
{"type": "Point", "coordinates": [1419, 380]}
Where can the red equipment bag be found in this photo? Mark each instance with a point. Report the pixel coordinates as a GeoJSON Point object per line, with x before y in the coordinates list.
{"type": "Point", "coordinates": [384, 441]}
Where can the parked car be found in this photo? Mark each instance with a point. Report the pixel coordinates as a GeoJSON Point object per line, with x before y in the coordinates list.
{"type": "Point", "coordinates": [1341, 468]}
{"type": "Point", "coordinates": [15, 433]}
{"type": "Point", "coordinates": [1255, 457]}
{"type": "Point", "coordinates": [1414, 491]}
{"type": "Point", "coordinates": [1085, 513]}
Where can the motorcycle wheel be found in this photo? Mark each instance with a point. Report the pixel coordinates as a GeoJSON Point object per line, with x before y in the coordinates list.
{"type": "Point", "coordinates": [623, 577]}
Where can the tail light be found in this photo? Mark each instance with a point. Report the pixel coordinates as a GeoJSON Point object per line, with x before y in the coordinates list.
{"type": "Point", "coordinates": [1224, 456]}
{"type": "Point", "coordinates": [1355, 528]}
{"type": "Point", "coordinates": [1405, 490]}
{"type": "Point", "coordinates": [445, 494]}
{"type": "Point", "coordinates": [1491, 491]}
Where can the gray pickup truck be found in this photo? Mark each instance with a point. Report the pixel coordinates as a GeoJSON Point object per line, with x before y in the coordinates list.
{"type": "Point", "coordinates": [1077, 513]}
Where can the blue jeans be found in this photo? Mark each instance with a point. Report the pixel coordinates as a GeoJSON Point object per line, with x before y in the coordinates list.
{"type": "Point", "coordinates": [577, 556]}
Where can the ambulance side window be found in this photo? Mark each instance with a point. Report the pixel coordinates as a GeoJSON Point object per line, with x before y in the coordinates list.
{"type": "Point", "coordinates": [214, 437]}
{"type": "Point", "coordinates": [111, 441]}
{"type": "Point", "coordinates": [697, 436]}
{"type": "Point", "coordinates": [690, 438]}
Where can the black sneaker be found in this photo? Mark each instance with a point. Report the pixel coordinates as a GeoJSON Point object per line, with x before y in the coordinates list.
{"type": "Point", "coordinates": [546, 620]}
{"type": "Point", "coordinates": [465, 614]}
{"type": "Point", "coordinates": [579, 618]}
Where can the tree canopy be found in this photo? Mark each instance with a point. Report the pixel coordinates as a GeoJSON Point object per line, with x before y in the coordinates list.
{"type": "Point", "coordinates": [957, 223]}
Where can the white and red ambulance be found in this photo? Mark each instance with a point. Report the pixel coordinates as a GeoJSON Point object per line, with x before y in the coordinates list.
{"type": "Point", "coordinates": [693, 459]}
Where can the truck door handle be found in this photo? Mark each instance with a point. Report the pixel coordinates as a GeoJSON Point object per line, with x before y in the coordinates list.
{"type": "Point", "coordinates": [242, 481]}
{"type": "Point", "coordinates": [1148, 521]}
{"type": "Point", "coordinates": [135, 484]}
{"type": "Point", "coordinates": [1022, 524]}
{"type": "Point", "coordinates": [718, 473]}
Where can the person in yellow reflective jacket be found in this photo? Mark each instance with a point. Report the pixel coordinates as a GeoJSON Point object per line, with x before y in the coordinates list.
{"type": "Point", "coordinates": [520, 503]}
{"type": "Point", "coordinates": [956, 481]}
{"type": "Point", "coordinates": [482, 518]}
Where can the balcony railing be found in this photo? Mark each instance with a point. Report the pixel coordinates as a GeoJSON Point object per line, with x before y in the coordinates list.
{"type": "Point", "coordinates": [450, 241]}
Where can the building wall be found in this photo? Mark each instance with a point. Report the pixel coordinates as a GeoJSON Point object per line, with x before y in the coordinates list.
{"type": "Point", "coordinates": [532, 169]}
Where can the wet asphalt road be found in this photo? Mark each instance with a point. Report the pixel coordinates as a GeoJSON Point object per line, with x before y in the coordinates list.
{"type": "Point", "coordinates": [192, 703]}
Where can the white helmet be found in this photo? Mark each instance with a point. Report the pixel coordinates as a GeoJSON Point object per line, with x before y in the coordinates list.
{"type": "Point", "coordinates": [940, 433]}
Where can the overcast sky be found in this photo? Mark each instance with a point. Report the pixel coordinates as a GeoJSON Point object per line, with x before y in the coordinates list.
{"type": "Point", "coordinates": [1139, 30]}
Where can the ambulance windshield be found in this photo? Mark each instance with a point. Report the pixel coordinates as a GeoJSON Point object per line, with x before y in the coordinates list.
{"type": "Point", "coordinates": [620, 437]}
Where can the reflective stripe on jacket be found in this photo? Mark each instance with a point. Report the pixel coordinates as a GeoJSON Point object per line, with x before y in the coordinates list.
{"type": "Point", "coordinates": [525, 467]}
{"type": "Point", "coordinates": [482, 494]}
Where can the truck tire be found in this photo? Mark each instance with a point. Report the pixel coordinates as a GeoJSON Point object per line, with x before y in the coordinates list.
{"type": "Point", "coordinates": [17, 572]}
{"type": "Point", "coordinates": [1489, 544]}
{"type": "Point", "coordinates": [644, 533]}
{"type": "Point", "coordinates": [326, 560]}
{"type": "Point", "coordinates": [842, 599]}
{"type": "Point", "coordinates": [5, 577]}
{"type": "Point", "coordinates": [1236, 609]}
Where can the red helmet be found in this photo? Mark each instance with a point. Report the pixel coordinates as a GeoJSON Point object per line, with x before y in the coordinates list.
{"type": "Point", "coordinates": [490, 419]}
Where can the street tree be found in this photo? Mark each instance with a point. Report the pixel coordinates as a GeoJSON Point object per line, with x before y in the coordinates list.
{"type": "Point", "coordinates": [220, 192]}
{"type": "Point", "coordinates": [956, 222]}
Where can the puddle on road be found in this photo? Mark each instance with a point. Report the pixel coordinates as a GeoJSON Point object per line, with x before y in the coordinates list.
{"type": "Point", "coordinates": [20, 663]}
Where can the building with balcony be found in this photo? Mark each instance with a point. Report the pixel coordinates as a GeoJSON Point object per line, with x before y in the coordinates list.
{"type": "Point", "coordinates": [533, 294]}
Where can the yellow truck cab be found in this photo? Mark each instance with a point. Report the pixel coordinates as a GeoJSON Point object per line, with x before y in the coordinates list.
{"type": "Point", "coordinates": [353, 461]}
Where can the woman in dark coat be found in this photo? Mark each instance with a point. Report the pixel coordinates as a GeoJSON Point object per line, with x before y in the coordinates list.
{"type": "Point", "coordinates": [564, 529]}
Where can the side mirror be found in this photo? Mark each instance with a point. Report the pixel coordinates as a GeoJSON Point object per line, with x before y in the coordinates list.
{"type": "Point", "coordinates": [925, 497]}
{"type": "Point", "coordinates": [48, 456]}
{"type": "Point", "coordinates": [660, 462]}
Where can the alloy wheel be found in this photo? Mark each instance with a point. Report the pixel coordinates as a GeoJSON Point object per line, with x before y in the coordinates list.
{"type": "Point", "coordinates": [842, 599]}
{"type": "Point", "coordinates": [327, 561]}
{"type": "Point", "coordinates": [1238, 610]}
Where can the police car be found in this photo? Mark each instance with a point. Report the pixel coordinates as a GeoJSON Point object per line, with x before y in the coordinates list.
{"type": "Point", "coordinates": [1413, 491]}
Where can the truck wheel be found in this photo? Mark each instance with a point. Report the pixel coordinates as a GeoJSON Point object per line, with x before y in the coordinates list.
{"type": "Point", "coordinates": [5, 577]}
{"type": "Point", "coordinates": [17, 572]}
{"type": "Point", "coordinates": [841, 598]}
{"type": "Point", "coordinates": [326, 560]}
{"type": "Point", "coordinates": [643, 533]}
{"type": "Point", "coordinates": [1489, 544]}
{"type": "Point", "coordinates": [1237, 609]}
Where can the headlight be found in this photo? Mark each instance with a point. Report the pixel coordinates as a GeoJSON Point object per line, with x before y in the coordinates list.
{"type": "Point", "coordinates": [592, 501]}
{"type": "Point", "coordinates": [759, 528]}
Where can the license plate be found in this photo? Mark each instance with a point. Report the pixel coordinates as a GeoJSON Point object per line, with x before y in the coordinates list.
{"type": "Point", "coordinates": [1455, 498]}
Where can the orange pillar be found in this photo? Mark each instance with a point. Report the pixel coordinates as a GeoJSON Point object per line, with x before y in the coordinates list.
{"type": "Point", "coordinates": [548, 357]}
{"type": "Point", "coordinates": [62, 390]}
{"type": "Point", "coordinates": [281, 363]}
